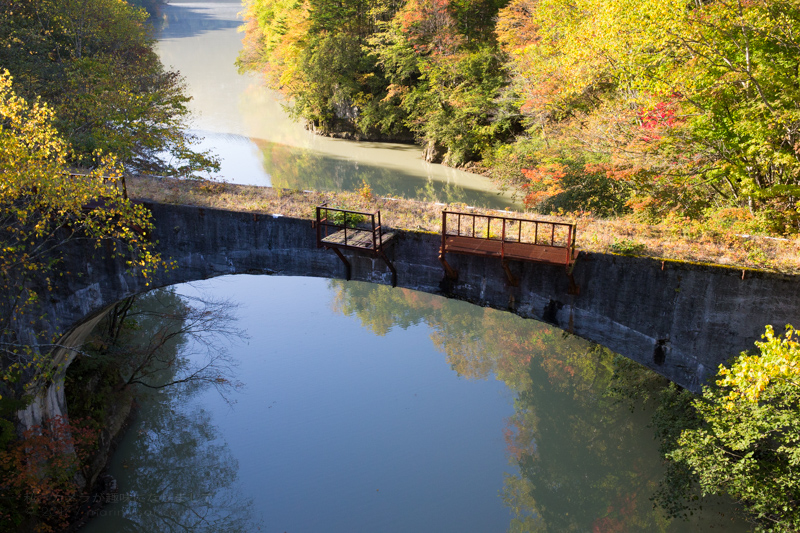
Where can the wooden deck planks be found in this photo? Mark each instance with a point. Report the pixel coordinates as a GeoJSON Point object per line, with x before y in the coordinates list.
{"type": "Point", "coordinates": [356, 238]}
{"type": "Point", "coordinates": [518, 251]}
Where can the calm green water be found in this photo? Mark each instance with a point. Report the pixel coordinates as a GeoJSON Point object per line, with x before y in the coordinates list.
{"type": "Point", "coordinates": [246, 125]}
{"type": "Point", "coordinates": [371, 409]}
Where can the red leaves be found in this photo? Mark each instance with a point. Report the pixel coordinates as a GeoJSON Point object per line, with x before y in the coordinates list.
{"type": "Point", "coordinates": [40, 467]}
{"type": "Point", "coordinates": [662, 115]}
{"type": "Point", "coordinates": [543, 182]}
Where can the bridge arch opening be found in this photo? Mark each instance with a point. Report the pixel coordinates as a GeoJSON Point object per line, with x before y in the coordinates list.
{"type": "Point", "coordinates": [679, 319]}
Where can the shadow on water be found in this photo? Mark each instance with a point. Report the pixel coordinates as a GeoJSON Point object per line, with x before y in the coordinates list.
{"type": "Point", "coordinates": [297, 168]}
{"type": "Point", "coordinates": [586, 461]}
{"type": "Point", "coordinates": [189, 19]}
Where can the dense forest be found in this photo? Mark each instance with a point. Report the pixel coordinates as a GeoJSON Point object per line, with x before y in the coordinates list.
{"type": "Point", "coordinates": [657, 108]}
{"type": "Point", "coordinates": [93, 64]}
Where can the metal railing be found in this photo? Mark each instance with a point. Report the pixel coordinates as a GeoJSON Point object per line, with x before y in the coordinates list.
{"type": "Point", "coordinates": [329, 222]}
{"type": "Point", "coordinates": [509, 230]}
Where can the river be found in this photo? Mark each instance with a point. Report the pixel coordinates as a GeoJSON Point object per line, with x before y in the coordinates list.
{"type": "Point", "coordinates": [365, 408]}
{"type": "Point", "coordinates": [246, 125]}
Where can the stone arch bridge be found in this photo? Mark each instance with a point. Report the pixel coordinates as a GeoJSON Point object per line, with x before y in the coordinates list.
{"type": "Point", "coordinates": [680, 319]}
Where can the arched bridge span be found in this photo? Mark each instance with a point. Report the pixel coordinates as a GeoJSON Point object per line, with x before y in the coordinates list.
{"type": "Point", "coordinates": [680, 319]}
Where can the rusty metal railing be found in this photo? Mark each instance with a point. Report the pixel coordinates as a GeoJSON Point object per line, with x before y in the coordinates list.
{"type": "Point", "coordinates": [510, 230]}
{"type": "Point", "coordinates": [326, 226]}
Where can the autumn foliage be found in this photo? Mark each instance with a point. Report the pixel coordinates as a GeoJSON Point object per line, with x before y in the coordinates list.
{"type": "Point", "coordinates": [38, 473]}
{"type": "Point", "coordinates": [689, 107]}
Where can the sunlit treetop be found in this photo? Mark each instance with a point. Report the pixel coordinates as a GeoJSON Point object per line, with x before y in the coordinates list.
{"type": "Point", "coordinates": [777, 363]}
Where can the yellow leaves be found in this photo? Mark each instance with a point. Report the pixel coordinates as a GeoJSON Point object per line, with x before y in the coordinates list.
{"type": "Point", "coordinates": [39, 195]}
{"type": "Point", "coordinates": [577, 45]}
{"type": "Point", "coordinates": [750, 376]}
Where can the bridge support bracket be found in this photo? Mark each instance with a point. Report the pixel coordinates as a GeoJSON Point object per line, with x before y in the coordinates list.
{"type": "Point", "coordinates": [391, 267]}
{"type": "Point", "coordinates": [449, 271]}
{"type": "Point", "coordinates": [574, 288]}
{"type": "Point", "coordinates": [512, 279]}
{"type": "Point", "coordinates": [348, 270]}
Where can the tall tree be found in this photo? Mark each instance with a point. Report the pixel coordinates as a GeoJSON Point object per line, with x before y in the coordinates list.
{"type": "Point", "coordinates": [44, 208]}
{"type": "Point", "coordinates": [93, 62]}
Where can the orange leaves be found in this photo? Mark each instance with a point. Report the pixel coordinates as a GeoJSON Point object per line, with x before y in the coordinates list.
{"type": "Point", "coordinates": [429, 26]}
{"type": "Point", "coordinates": [38, 469]}
{"type": "Point", "coordinates": [516, 28]}
{"type": "Point", "coordinates": [393, 90]}
{"type": "Point", "coordinates": [544, 182]}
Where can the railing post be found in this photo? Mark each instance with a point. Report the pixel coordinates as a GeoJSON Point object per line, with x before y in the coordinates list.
{"type": "Point", "coordinates": [444, 228]}
{"type": "Point", "coordinates": [552, 234]}
{"type": "Point", "coordinates": [569, 246]}
{"type": "Point", "coordinates": [374, 244]}
{"type": "Point", "coordinates": [574, 238]}
{"type": "Point", "coordinates": [319, 221]}
{"type": "Point", "coordinates": [503, 241]}
{"type": "Point", "coordinates": [380, 230]}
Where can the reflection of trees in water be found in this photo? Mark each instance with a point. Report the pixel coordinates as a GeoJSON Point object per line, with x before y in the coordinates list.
{"type": "Point", "coordinates": [182, 476]}
{"type": "Point", "coordinates": [295, 168]}
{"type": "Point", "coordinates": [179, 473]}
{"type": "Point", "coordinates": [162, 339]}
{"type": "Point", "coordinates": [586, 462]}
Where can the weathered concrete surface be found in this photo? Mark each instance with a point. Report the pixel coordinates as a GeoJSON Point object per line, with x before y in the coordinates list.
{"type": "Point", "coordinates": [679, 319]}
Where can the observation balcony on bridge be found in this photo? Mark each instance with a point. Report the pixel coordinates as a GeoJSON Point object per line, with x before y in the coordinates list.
{"type": "Point", "coordinates": [344, 229]}
{"type": "Point", "coordinates": [508, 238]}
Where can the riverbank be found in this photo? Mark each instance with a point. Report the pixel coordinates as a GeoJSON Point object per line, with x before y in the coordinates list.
{"type": "Point", "coordinates": [682, 240]}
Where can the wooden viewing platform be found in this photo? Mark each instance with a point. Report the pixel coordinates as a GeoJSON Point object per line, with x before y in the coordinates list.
{"type": "Point", "coordinates": [508, 238]}
{"type": "Point", "coordinates": [360, 231]}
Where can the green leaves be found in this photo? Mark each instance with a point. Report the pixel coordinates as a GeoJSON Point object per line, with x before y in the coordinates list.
{"type": "Point", "coordinates": [746, 442]}
{"type": "Point", "coordinates": [93, 62]}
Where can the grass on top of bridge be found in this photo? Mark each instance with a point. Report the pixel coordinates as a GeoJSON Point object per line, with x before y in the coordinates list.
{"type": "Point", "coordinates": [683, 240]}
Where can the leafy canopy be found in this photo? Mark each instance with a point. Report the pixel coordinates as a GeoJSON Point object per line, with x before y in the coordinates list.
{"type": "Point", "coordinates": [94, 63]}
{"type": "Point", "coordinates": [691, 104]}
{"type": "Point", "coordinates": [747, 443]}
{"type": "Point", "coordinates": [43, 208]}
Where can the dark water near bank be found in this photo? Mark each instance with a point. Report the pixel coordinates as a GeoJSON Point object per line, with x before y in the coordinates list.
{"type": "Point", "coordinates": [373, 409]}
